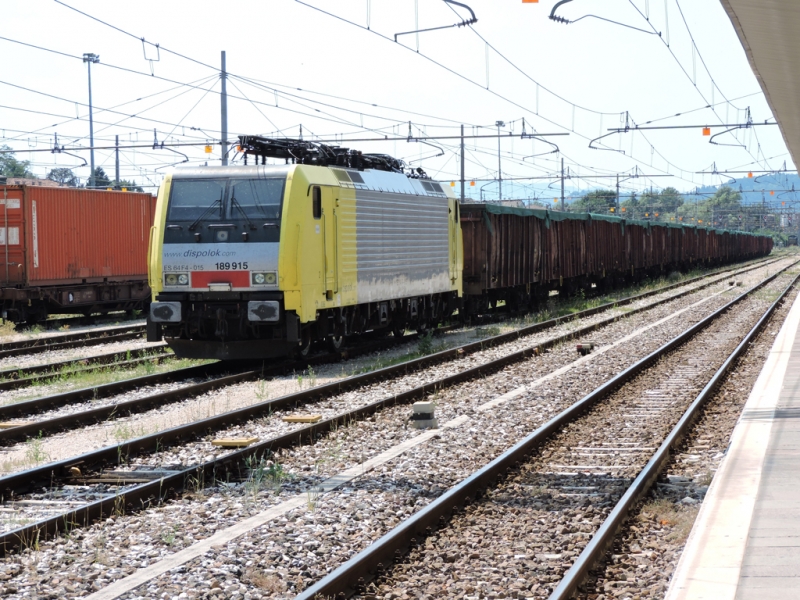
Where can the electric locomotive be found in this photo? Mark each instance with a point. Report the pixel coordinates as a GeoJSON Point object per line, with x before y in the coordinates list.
{"type": "Point", "coordinates": [259, 261]}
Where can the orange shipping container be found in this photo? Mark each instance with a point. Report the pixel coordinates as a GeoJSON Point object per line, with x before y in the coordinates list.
{"type": "Point", "coordinates": [59, 236]}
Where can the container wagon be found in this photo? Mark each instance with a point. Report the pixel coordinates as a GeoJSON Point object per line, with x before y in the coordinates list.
{"type": "Point", "coordinates": [72, 251]}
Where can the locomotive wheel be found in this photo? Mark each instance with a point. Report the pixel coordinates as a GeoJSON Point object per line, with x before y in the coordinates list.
{"type": "Point", "coordinates": [335, 342]}
{"type": "Point", "coordinates": [304, 349]}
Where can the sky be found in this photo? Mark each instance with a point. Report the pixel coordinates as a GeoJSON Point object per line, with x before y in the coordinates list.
{"type": "Point", "coordinates": [335, 69]}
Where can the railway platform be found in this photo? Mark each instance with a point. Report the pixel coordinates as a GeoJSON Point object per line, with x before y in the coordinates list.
{"type": "Point", "coordinates": [745, 544]}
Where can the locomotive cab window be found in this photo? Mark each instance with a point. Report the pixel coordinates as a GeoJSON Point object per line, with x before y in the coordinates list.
{"type": "Point", "coordinates": [316, 202]}
{"type": "Point", "coordinates": [196, 199]}
{"type": "Point", "coordinates": [255, 199]}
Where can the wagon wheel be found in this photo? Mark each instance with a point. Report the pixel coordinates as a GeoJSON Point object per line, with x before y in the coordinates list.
{"type": "Point", "coordinates": [398, 331]}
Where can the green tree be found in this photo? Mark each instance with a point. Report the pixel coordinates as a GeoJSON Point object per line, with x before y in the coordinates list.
{"type": "Point", "coordinates": [723, 209]}
{"type": "Point", "coordinates": [131, 186]}
{"type": "Point", "coordinates": [64, 176]}
{"type": "Point", "coordinates": [632, 206]}
{"type": "Point", "coordinates": [11, 167]}
{"type": "Point", "coordinates": [101, 180]}
{"type": "Point", "coordinates": [665, 203]}
{"type": "Point", "coordinates": [596, 201]}
{"type": "Point", "coordinates": [670, 199]}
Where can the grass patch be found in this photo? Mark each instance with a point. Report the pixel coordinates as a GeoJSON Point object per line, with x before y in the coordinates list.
{"type": "Point", "coordinates": [665, 513]}
{"type": "Point", "coordinates": [264, 474]}
{"type": "Point", "coordinates": [425, 346]}
{"type": "Point", "coordinates": [69, 378]}
{"type": "Point", "coordinates": [264, 580]}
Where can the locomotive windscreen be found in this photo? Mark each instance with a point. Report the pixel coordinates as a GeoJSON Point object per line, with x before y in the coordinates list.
{"type": "Point", "coordinates": [216, 199]}
{"type": "Point", "coordinates": [193, 199]}
{"type": "Point", "coordinates": [256, 198]}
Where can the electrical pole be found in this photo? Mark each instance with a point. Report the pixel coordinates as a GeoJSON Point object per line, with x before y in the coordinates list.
{"type": "Point", "coordinates": [224, 111]}
{"type": "Point", "coordinates": [90, 58]}
{"type": "Point", "coordinates": [499, 171]}
{"type": "Point", "coordinates": [462, 163]}
{"type": "Point", "coordinates": [116, 163]}
{"type": "Point", "coordinates": [562, 184]}
{"type": "Point", "coordinates": [617, 202]}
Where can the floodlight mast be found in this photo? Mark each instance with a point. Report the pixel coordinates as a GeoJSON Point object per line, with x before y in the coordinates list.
{"type": "Point", "coordinates": [90, 58]}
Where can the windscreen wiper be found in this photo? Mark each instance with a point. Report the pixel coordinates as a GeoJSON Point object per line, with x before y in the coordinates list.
{"type": "Point", "coordinates": [193, 226]}
{"type": "Point", "coordinates": [235, 202]}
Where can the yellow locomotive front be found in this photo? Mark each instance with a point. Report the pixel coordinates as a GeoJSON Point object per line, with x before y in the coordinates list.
{"type": "Point", "coordinates": [262, 261]}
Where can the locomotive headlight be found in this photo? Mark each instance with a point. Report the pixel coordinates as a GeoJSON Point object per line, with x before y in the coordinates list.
{"type": "Point", "coordinates": [176, 279]}
{"type": "Point", "coordinates": [268, 278]}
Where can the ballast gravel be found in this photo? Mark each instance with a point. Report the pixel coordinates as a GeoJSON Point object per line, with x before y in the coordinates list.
{"type": "Point", "coordinates": [57, 447]}
{"type": "Point", "coordinates": [647, 550]}
{"type": "Point", "coordinates": [22, 361]}
{"type": "Point", "coordinates": [292, 551]}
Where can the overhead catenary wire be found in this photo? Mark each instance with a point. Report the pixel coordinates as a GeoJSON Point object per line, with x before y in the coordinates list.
{"type": "Point", "coordinates": [209, 66]}
{"type": "Point", "coordinates": [465, 78]}
{"type": "Point", "coordinates": [248, 99]}
{"type": "Point", "coordinates": [677, 60]}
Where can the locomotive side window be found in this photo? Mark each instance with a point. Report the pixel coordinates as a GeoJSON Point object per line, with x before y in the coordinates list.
{"type": "Point", "coordinates": [316, 201]}
{"type": "Point", "coordinates": [193, 199]}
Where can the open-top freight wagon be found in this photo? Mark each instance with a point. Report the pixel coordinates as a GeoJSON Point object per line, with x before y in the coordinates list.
{"type": "Point", "coordinates": [516, 254]}
{"type": "Point", "coordinates": [72, 251]}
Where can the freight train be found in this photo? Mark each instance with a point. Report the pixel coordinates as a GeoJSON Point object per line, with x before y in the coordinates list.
{"type": "Point", "coordinates": [259, 261]}
{"type": "Point", "coordinates": [72, 251]}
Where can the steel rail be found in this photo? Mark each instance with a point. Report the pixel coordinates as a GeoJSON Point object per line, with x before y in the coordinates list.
{"type": "Point", "coordinates": [15, 378]}
{"type": "Point", "coordinates": [71, 340]}
{"type": "Point", "coordinates": [112, 411]}
{"type": "Point", "coordinates": [594, 551]}
{"type": "Point", "coordinates": [353, 575]}
{"type": "Point", "coordinates": [143, 495]}
{"type": "Point", "coordinates": [78, 321]}
{"type": "Point", "coordinates": [38, 405]}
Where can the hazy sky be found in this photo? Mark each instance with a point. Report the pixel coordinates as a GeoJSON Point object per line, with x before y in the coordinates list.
{"type": "Point", "coordinates": [358, 82]}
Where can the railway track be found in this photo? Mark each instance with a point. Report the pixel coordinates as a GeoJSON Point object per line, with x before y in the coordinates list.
{"type": "Point", "coordinates": [118, 333]}
{"type": "Point", "coordinates": [80, 321]}
{"type": "Point", "coordinates": [161, 482]}
{"type": "Point", "coordinates": [11, 379]}
{"type": "Point", "coordinates": [290, 536]}
{"type": "Point", "coordinates": [93, 337]}
{"type": "Point", "coordinates": [554, 501]}
{"type": "Point", "coordinates": [215, 377]}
